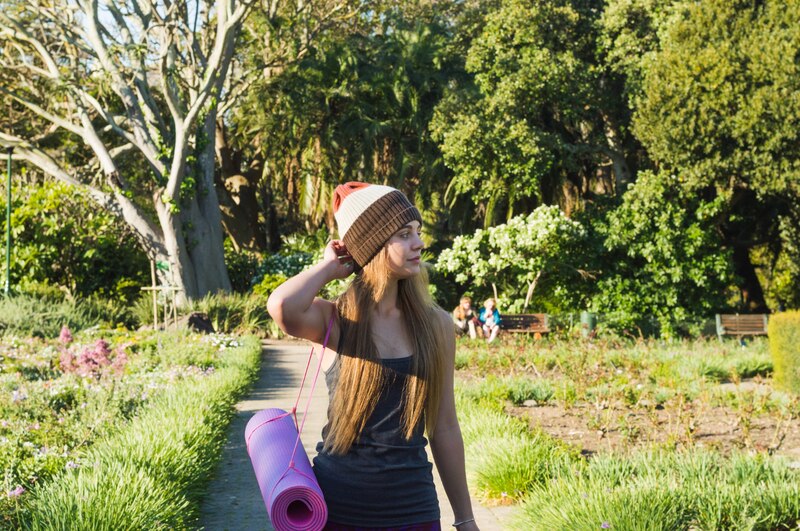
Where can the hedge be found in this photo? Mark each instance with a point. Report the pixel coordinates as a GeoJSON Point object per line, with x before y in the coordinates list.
{"type": "Point", "coordinates": [784, 344]}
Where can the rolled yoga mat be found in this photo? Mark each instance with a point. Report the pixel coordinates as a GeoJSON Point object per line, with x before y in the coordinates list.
{"type": "Point", "coordinates": [292, 495]}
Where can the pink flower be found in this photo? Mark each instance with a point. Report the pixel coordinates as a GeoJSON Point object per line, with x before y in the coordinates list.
{"type": "Point", "coordinates": [65, 336]}
{"type": "Point", "coordinates": [605, 525]}
{"type": "Point", "coordinates": [16, 493]}
{"type": "Point", "coordinates": [67, 361]}
{"type": "Point", "coordinates": [119, 363]}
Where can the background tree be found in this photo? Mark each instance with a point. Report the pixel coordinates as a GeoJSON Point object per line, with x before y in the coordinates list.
{"type": "Point", "coordinates": [511, 260]}
{"type": "Point", "coordinates": [544, 123]}
{"type": "Point", "coordinates": [355, 106]}
{"type": "Point", "coordinates": [273, 41]}
{"type": "Point", "coordinates": [719, 108]}
{"type": "Point", "coordinates": [132, 84]}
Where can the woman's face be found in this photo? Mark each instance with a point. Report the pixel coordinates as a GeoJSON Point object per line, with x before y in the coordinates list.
{"type": "Point", "coordinates": [489, 305]}
{"type": "Point", "coordinates": [466, 304]}
{"type": "Point", "coordinates": [403, 251]}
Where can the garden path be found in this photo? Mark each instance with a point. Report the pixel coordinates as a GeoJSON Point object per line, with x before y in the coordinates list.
{"type": "Point", "coordinates": [234, 502]}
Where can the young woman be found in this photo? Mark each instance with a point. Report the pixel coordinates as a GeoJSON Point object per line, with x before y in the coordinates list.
{"type": "Point", "coordinates": [389, 369]}
{"type": "Point", "coordinates": [465, 319]}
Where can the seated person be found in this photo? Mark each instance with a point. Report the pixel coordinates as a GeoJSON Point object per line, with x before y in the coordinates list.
{"type": "Point", "coordinates": [465, 319]}
{"type": "Point", "coordinates": [490, 319]}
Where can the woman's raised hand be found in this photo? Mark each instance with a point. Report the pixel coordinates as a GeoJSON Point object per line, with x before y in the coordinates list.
{"type": "Point", "coordinates": [336, 253]}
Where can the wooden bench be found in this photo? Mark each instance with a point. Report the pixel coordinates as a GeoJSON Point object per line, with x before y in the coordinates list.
{"type": "Point", "coordinates": [741, 324]}
{"type": "Point", "coordinates": [525, 322]}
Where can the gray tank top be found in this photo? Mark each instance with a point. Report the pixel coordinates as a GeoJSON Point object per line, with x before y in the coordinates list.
{"type": "Point", "coordinates": [384, 480]}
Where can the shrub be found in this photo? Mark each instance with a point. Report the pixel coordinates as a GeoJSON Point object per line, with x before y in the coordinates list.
{"type": "Point", "coordinates": [784, 344]}
{"type": "Point", "coordinates": [234, 313]}
{"type": "Point", "coordinates": [523, 389]}
{"type": "Point", "coordinates": [25, 315]}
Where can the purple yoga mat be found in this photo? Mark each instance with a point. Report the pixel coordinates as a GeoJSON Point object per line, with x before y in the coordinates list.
{"type": "Point", "coordinates": [291, 493]}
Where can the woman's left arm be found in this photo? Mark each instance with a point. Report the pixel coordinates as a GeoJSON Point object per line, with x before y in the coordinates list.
{"type": "Point", "coordinates": [447, 444]}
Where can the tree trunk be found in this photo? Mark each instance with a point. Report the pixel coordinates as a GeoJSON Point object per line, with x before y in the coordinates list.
{"type": "Point", "coordinates": [237, 194]}
{"type": "Point", "coordinates": [752, 294]}
{"type": "Point", "coordinates": [193, 236]}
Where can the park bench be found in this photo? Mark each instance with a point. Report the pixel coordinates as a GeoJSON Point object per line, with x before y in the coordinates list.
{"type": "Point", "coordinates": [525, 322]}
{"type": "Point", "coordinates": [741, 324]}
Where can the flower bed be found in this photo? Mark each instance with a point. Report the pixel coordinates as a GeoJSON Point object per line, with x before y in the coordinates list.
{"type": "Point", "coordinates": [582, 435]}
{"type": "Point", "coordinates": [78, 410]}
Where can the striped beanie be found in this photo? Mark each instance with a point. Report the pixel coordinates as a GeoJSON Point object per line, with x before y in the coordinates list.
{"type": "Point", "coordinates": [368, 215]}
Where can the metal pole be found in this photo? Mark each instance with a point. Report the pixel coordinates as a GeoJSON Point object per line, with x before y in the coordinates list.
{"type": "Point", "coordinates": [8, 224]}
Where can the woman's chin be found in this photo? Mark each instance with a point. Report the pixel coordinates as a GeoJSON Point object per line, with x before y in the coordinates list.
{"type": "Point", "coordinates": [407, 271]}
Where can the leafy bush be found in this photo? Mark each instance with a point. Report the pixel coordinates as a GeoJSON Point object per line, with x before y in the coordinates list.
{"type": "Point", "coordinates": [61, 238]}
{"type": "Point", "coordinates": [234, 313]}
{"type": "Point", "coordinates": [276, 268]}
{"type": "Point", "coordinates": [784, 344]}
{"type": "Point", "coordinates": [522, 257]}
{"type": "Point", "coordinates": [242, 267]}
{"type": "Point", "coordinates": [666, 261]}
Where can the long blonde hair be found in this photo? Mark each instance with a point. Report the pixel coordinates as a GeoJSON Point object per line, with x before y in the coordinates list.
{"type": "Point", "coordinates": [361, 374]}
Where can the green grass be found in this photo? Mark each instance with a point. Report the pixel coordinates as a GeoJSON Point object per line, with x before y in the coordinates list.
{"type": "Point", "coordinates": [505, 458]}
{"type": "Point", "coordinates": [667, 490]}
{"type": "Point", "coordinates": [29, 316]}
{"type": "Point", "coordinates": [674, 485]}
{"type": "Point", "coordinates": [150, 474]}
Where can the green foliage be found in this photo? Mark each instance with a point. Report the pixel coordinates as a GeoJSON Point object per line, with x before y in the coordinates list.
{"type": "Point", "coordinates": [715, 109]}
{"type": "Point", "coordinates": [37, 316]}
{"type": "Point", "coordinates": [234, 313]}
{"type": "Point", "coordinates": [537, 115]}
{"type": "Point", "coordinates": [355, 106]}
{"type": "Point", "coordinates": [242, 267]}
{"type": "Point", "coordinates": [542, 246]}
{"type": "Point", "coordinates": [671, 264]}
{"type": "Point", "coordinates": [151, 472]}
{"type": "Point", "coordinates": [277, 268]}
{"type": "Point", "coordinates": [784, 344]}
{"type": "Point", "coordinates": [714, 101]}
{"type": "Point", "coordinates": [657, 490]}
{"type": "Point", "coordinates": [61, 238]}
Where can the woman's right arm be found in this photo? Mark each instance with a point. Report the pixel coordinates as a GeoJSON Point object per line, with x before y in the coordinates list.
{"type": "Point", "coordinates": [294, 305]}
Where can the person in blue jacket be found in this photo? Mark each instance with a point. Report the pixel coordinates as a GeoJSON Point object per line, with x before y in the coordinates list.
{"type": "Point", "coordinates": [490, 320]}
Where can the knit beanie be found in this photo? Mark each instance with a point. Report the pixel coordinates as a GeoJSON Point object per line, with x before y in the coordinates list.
{"type": "Point", "coordinates": [368, 215]}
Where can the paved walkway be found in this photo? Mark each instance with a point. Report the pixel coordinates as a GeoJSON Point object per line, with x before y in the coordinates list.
{"type": "Point", "coordinates": [234, 502]}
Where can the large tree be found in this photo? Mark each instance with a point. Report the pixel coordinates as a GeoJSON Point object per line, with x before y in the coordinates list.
{"type": "Point", "coordinates": [354, 105]}
{"type": "Point", "coordinates": [544, 122]}
{"type": "Point", "coordinates": [719, 107]}
{"type": "Point", "coordinates": [124, 98]}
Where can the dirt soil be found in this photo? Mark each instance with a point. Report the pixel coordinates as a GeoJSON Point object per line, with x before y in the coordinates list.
{"type": "Point", "coordinates": [594, 428]}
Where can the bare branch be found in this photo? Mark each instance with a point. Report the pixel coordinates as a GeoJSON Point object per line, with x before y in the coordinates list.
{"type": "Point", "coordinates": [58, 120]}
{"type": "Point", "coordinates": [14, 30]}
{"type": "Point", "coordinates": [122, 88]}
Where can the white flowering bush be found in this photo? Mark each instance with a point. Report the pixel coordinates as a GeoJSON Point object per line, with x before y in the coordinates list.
{"type": "Point", "coordinates": [518, 255]}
